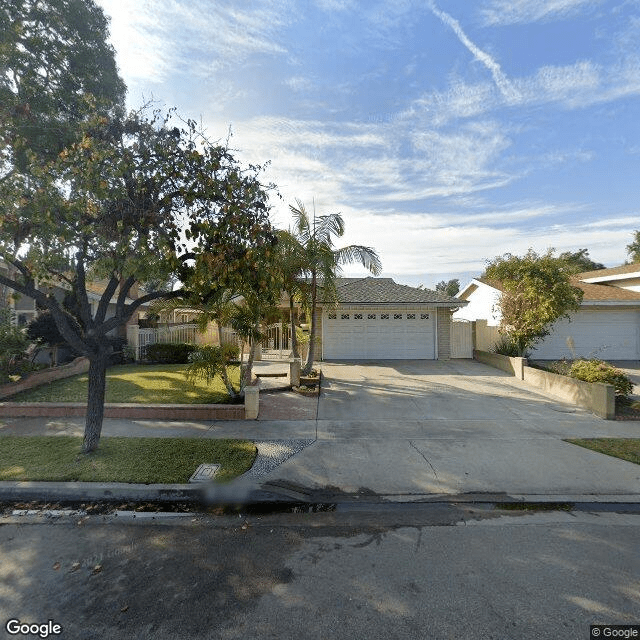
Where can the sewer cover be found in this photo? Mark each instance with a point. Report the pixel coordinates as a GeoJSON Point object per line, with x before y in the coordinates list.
{"type": "Point", "coordinates": [205, 472]}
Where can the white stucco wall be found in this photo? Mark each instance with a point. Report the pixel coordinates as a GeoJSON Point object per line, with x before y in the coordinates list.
{"type": "Point", "coordinates": [481, 305]}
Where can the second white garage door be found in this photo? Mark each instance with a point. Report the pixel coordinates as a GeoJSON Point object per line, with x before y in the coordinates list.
{"type": "Point", "coordinates": [613, 335]}
{"type": "Point", "coordinates": [379, 334]}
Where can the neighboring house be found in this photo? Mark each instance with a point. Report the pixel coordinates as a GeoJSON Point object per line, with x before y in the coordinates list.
{"type": "Point", "coordinates": [607, 325]}
{"type": "Point", "coordinates": [25, 309]}
{"type": "Point", "coordinates": [378, 319]}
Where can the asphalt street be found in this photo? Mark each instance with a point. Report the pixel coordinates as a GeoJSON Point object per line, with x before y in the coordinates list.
{"type": "Point", "coordinates": [435, 572]}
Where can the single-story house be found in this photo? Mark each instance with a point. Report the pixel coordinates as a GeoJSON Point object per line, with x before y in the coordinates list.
{"type": "Point", "coordinates": [379, 319]}
{"type": "Point", "coordinates": [606, 326]}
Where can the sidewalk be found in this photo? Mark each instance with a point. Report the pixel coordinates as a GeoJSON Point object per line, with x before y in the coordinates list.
{"type": "Point", "coordinates": [516, 454]}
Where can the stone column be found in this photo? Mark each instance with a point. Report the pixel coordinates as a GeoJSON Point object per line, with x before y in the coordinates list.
{"type": "Point", "coordinates": [251, 402]}
{"type": "Point", "coordinates": [294, 372]}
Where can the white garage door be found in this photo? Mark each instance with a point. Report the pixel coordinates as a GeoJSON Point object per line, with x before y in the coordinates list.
{"type": "Point", "coordinates": [608, 335]}
{"type": "Point", "coordinates": [381, 334]}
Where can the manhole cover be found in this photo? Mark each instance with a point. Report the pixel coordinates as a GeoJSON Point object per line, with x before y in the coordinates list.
{"type": "Point", "coordinates": [205, 473]}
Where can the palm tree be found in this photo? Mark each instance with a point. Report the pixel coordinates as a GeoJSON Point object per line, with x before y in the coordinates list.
{"type": "Point", "coordinates": [291, 264]}
{"type": "Point", "coordinates": [219, 308]}
{"type": "Point", "coordinates": [322, 261]}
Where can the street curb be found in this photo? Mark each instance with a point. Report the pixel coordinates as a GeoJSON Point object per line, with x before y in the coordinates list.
{"type": "Point", "coordinates": [91, 491]}
{"type": "Point", "coordinates": [106, 491]}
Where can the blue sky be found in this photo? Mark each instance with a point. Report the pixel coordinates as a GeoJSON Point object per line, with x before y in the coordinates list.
{"type": "Point", "coordinates": [446, 132]}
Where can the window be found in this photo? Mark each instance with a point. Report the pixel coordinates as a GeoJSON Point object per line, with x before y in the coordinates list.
{"type": "Point", "coordinates": [333, 316]}
{"type": "Point", "coordinates": [357, 316]}
{"type": "Point", "coordinates": [344, 316]}
{"type": "Point", "coordinates": [424, 316]}
{"type": "Point", "coordinates": [411, 316]}
{"type": "Point", "coordinates": [397, 316]}
{"type": "Point", "coordinates": [371, 316]}
{"type": "Point", "coordinates": [384, 316]}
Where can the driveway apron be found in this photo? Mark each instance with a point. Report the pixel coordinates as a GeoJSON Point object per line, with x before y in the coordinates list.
{"type": "Point", "coordinates": [412, 428]}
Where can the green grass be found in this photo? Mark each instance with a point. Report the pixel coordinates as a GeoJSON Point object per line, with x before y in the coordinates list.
{"type": "Point", "coordinates": [135, 460]}
{"type": "Point", "coordinates": [624, 448]}
{"type": "Point", "coordinates": [145, 384]}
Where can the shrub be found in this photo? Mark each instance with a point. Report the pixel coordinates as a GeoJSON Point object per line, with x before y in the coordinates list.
{"type": "Point", "coordinates": [599, 371]}
{"type": "Point", "coordinates": [120, 350]}
{"type": "Point", "coordinates": [13, 346]}
{"type": "Point", "coordinates": [506, 346]}
{"type": "Point", "coordinates": [230, 352]}
{"type": "Point", "coordinates": [169, 352]}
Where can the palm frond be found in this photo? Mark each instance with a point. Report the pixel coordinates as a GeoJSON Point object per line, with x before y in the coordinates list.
{"type": "Point", "coordinates": [366, 256]}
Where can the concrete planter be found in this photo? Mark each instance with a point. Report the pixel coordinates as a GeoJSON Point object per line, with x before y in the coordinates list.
{"type": "Point", "coordinates": [597, 397]}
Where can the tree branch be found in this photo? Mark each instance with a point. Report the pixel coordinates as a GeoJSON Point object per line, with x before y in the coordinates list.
{"type": "Point", "coordinates": [103, 305]}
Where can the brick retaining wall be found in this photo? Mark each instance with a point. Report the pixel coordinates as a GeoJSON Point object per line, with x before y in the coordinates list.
{"type": "Point", "coordinates": [125, 410]}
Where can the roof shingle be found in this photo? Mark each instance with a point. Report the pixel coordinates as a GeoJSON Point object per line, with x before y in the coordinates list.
{"type": "Point", "coordinates": [386, 291]}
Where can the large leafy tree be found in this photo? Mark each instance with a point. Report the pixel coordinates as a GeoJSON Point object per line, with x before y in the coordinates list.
{"type": "Point", "coordinates": [536, 292]}
{"type": "Point", "coordinates": [57, 68]}
{"type": "Point", "coordinates": [131, 202]}
{"type": "Point", "coordinates": [323, 262]}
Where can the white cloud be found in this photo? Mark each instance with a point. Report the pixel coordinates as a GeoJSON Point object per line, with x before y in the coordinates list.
{"type": "Point", "coordinates": [157, 37]}
{"type": "Point", "coordinates": [500, 79]}
{"type": "Point", "coordinates": [504, 12]}
{"type": "Point", "coordinates": [574, 86]}
{"type": "Point", "coordinates": [414, 245]}
{"type": "Point", "coordinates": [335, 5]}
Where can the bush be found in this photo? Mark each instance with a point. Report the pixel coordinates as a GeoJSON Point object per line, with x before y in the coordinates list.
{"type": "Point", "coordinates": [230, 352]}
{"type": "Point", "coordinates": [507, 347]}
{"type": "Point", "coordinates": [599, 371]}
{"type": "Point", "coordinates": [120, 351]}
{"type": "Point", "coordinates": [13, 347]}
{"type": "Point", "coordinates": [168, 352]}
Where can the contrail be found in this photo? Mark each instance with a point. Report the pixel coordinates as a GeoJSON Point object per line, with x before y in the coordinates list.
{"type": "Point", "coordinates": [501, 80]}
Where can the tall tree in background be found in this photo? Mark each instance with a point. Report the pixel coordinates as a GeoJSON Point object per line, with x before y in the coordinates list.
{"type": "Point", "coordinates": [579, 261]}
{"type": "Point", "coordinates": [449, 288]}
{"type": "Point", "coordinates": [633, 249]}
{"type": "Point", "coordinates": [536, 292]}
{"type": "Point", "coordinates": [57, 69]}
{"type": "Point", "coordinates": [322, 262]}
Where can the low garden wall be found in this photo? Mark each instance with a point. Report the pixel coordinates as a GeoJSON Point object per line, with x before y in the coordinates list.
{"type": "Point", "coordinates": [129, 411]}
{"type": "Point", "coordinates": [514, 366]}
{"type": "Point", "coordinates": [37, 378]}
{"type": "Point", "coordinates": [597, 397]}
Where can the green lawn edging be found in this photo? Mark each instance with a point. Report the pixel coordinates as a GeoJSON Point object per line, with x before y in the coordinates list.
{"type": "Point", "coordinates": [120, 459]}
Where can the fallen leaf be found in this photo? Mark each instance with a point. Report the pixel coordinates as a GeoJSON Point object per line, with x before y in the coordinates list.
{"type": "Point", "coordinates": [125, 608]}
{"type": "Point", "coordinates": [75, 566]}
{"type": "Point", "coordinates": [56, 566]}
{"type": "Point", "coordinates": [96, 569]}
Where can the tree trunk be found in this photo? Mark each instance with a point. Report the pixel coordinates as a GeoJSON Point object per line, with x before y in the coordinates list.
{"type": "Point", "coordinates": [294, 336]}
{"type": "Point", "coordinates": [95, 401]}
{"type": "Point", "coordinates": [233, 394]}
{"type": "Point", "coordinates": [248, 371]}
{"type": "Point", "coordinates": [312, 337]}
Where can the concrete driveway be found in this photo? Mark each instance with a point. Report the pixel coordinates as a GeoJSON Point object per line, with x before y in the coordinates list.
{"type": "Point", "coordinates": [411, 428]}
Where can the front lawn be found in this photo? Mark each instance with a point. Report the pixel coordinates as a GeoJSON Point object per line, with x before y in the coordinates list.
{"type": "Point", "coordinates": [624, 448]}
{"type": "Point", "coordinates": [144, 384]}
{"type": "Point", "coordinates": [135, 460]}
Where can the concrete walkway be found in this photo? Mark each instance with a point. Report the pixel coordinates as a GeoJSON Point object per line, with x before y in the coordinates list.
{"type": "Point", "coordinates": [407, 430]}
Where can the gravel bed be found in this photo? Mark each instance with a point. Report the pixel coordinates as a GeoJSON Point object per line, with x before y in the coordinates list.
{"type": "Point", "coordinates": [272, 453]}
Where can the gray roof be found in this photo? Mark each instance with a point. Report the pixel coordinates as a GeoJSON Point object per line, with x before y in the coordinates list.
{"type": "Point", "coordinates": [385, 291]}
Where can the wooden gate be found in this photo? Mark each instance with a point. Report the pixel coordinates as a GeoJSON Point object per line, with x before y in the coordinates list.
{"type": "Point", "coordinates": [461, 339]}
